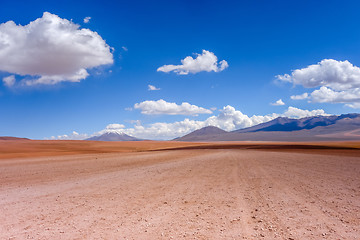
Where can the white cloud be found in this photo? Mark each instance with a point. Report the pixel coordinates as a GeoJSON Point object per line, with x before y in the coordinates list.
{"type": "Point", "coordinates": [162, 107]}
{"type": "Point", "coordinates": [353, 105]}
{"type": "Point", "coordinates": [338, 75]}
{"type": "Point", "coordinates": [9, 80]}
{"type": "Point", "coordinates": [73, 136]}
{"type": "Point", "coordinates": [152, 88]}
{"type": "Point", "coordinates": [285, 78]}
{"type": "Point", "coordinates": [339, 82]}
{"type": "Point", "coordinates": [278, 103]}
{"type": "Point", "coordinates": [87, 19]}
{"type": "Point", "coordinates": [229, 119]}
{"type": "Point", "coordinates": [300, 97]}
{"type": "Point", "coordinates": [325, 94]}
{"type": "Point", "coordinates": [125, 48]}
{"type": "Point", "coordinates": [293, 112]}
{"type": "Point", "coordinates": [164, 131]}
{"type": "Point", "coordinates": [51, 50]}
{"type": "Point", "coordinates": [205, 62]}
{"type": "Point", "coordinates": [114, 126]}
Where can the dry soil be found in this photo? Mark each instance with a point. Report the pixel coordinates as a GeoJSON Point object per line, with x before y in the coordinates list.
{"type": "Point", "coordinates": [198, 193]}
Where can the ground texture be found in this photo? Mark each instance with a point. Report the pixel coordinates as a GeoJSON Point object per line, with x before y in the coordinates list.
{"type": "Point", "coordinates": [205, 193]}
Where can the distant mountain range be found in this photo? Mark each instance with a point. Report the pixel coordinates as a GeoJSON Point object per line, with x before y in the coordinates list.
{"type": "Point", "coordinates": [319, 128]}
{"type": "Point", "coordinates": [112, 136]}
{"type": "Point", "coordinates": [345, 127]}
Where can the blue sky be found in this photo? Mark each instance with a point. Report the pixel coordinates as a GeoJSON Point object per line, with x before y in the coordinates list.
{"type": "Point", "coordinates": [52, 88]}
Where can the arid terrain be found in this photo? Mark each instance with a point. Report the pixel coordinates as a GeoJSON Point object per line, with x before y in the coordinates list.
{"type": "Point", "coordinates": [179, 190]}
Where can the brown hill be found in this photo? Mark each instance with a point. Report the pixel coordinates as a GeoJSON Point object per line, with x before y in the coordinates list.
{"type": "Point", "coordinates": [209, 133]}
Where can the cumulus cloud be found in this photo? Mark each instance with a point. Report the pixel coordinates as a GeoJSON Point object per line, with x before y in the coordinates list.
{"type": "Point", "coordinates": [284, 78]}
{"type": "Point", "coordinates": [51, 50]}
{"type": "Point", "coordinates": [278, 103]}
{"type": "Point", "coordinates": [325, 94]}
{"type": "Point", "coordinates": [350, 97]}
{"type": "Point", "coordinates": [114, 126]}
{"type": "Point", "coordinates": [9, 80]}
{"type": "Point", "coordinates": [163, 130]}
{"type": "Point", "coordinates": [161, 107]}
{"type": "Point", "coordinates": [293, 112]}
{"type": "Point", "coordinates": [205, 62]}
{"type": "Point", "coordinates": [353, 105]}
{"type": "Point", "coordinates": [339, 82]}
{"type": "Point", "coordinates": [152, 88]}
{"type": "Point", "coordinates": [87, 19]}
{"type": "Point", "coordinates": [300, 97]}
{"type": "Point", "coordinates": [228, 119]}
{"type": "Point", "coordinates": [338, 75]}
{"type": "Point", "coordinates": [73, 136]}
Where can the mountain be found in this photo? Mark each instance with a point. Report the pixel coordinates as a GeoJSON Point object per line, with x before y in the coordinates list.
{"type": "Point", "coordinates": [203, 133]}
{"type": "Point", "coordinates": [288, 124]}
{"type": "Point", "coordinates": [319, 128]}
{"type": "Point", "coordinates": [112, 136]}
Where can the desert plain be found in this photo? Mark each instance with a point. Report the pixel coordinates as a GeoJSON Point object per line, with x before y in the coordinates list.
{"type": "Point", "coordinates": [179, 190]}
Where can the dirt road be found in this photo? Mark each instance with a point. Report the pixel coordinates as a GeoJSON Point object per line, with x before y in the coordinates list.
{"type": "Point", "coordinates": [181, 194]}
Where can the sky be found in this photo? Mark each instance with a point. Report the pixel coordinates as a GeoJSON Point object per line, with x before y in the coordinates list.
{"type": "Point", "coordinates": [161, 69]}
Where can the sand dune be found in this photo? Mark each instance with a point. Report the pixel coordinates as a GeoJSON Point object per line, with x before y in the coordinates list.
{"type": "Point", "coordinates": [70, 190]}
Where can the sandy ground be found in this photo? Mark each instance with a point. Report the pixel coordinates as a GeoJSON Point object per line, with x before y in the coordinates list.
{"type": "Point", "coordinates": [182, 194]}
